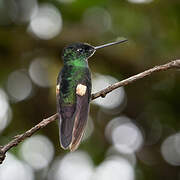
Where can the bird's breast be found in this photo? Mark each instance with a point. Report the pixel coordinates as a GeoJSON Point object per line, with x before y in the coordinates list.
{"type": "Point", "coordinates": [69, 80]}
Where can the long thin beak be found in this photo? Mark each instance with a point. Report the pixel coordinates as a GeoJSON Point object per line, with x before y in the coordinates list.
{"type": "Point", "coordinates": [110, 44]}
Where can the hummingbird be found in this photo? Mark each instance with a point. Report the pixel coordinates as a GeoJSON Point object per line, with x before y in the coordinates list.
{"type": "Point", "coordinates": [73, 92]}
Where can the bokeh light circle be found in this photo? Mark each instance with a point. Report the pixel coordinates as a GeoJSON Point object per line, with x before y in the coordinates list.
{"type": "Point", "coordinates": [124, 135]}
{"type": "Point", "coordinates": [47, 23]}
{"type": "Point", "coordinates": [37, 151]}
{"type": "Point", "coordinates": [19, 85]}
{"type": "Point", "coordinates": [5, 110]}
{"type": "Point", "coordinates": [39, 72]}
{"type": "Point", "coordinates": [76, 165]}
{"type": "Point", "coordinates": [14, 169]}
{"type": "Point", "coordinates": [114, 168]}
{"type": "Point", "coordinates": [113, 99]}
{"type": "Point", "coordinates": [97, 18]}
{"type": "Point", "coordinates": [170, 149]}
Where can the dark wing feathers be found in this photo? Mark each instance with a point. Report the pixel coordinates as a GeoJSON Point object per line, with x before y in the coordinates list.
{"type": "Point", "coordinates": [66, 125]}
{"type": "Point", "coordinates": [73, 118]}
{"type": "Point", "coordinates": [81, 115]}
{"type": "Point", "coordinates": [65, 117]}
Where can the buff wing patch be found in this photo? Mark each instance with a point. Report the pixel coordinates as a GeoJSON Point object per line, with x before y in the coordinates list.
{"type": "Point", "coordinates": [81, 89]}
{"type": "Point", "coordinates": [57, 89]}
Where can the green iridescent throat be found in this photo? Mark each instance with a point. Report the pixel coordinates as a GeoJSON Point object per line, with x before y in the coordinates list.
{"type": "Point", "coordinates": [78, 62]}
{"type": "Point", "coordinates": [71, 58]}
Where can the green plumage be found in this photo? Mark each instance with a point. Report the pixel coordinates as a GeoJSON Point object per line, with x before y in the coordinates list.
{"type": "Point", "coordinates": [73, 73]}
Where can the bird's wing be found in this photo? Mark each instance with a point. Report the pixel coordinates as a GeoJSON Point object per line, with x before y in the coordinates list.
{"type": "Point", "coordinates": [66, 118]}
{"type": "Point", "coordinates": [81, 115]}
{"type": "Point", "coordinates": [73, 117]}
{"type": "Point", "coordinates": [66, 125]}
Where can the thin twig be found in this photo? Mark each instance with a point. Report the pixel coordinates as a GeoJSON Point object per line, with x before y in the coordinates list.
{"type": "Point", "coordinates": [164, 67]}
{"type": "Point", "coordinates": [19, 138]}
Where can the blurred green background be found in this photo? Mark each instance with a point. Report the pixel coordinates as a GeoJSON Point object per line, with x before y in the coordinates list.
{"type": "Point", "coordinates": [131, 134]}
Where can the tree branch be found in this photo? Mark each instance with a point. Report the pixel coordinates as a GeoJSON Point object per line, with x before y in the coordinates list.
{"type": "Point", "coordinates": [19, 138]}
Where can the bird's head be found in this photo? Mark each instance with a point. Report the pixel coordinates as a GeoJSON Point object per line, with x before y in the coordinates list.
{"type": "Point", "coordinates": [80, 52]}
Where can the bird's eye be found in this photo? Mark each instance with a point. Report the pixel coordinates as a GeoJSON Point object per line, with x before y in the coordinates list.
{"type": "Point", "coordinates": [80, 50]}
